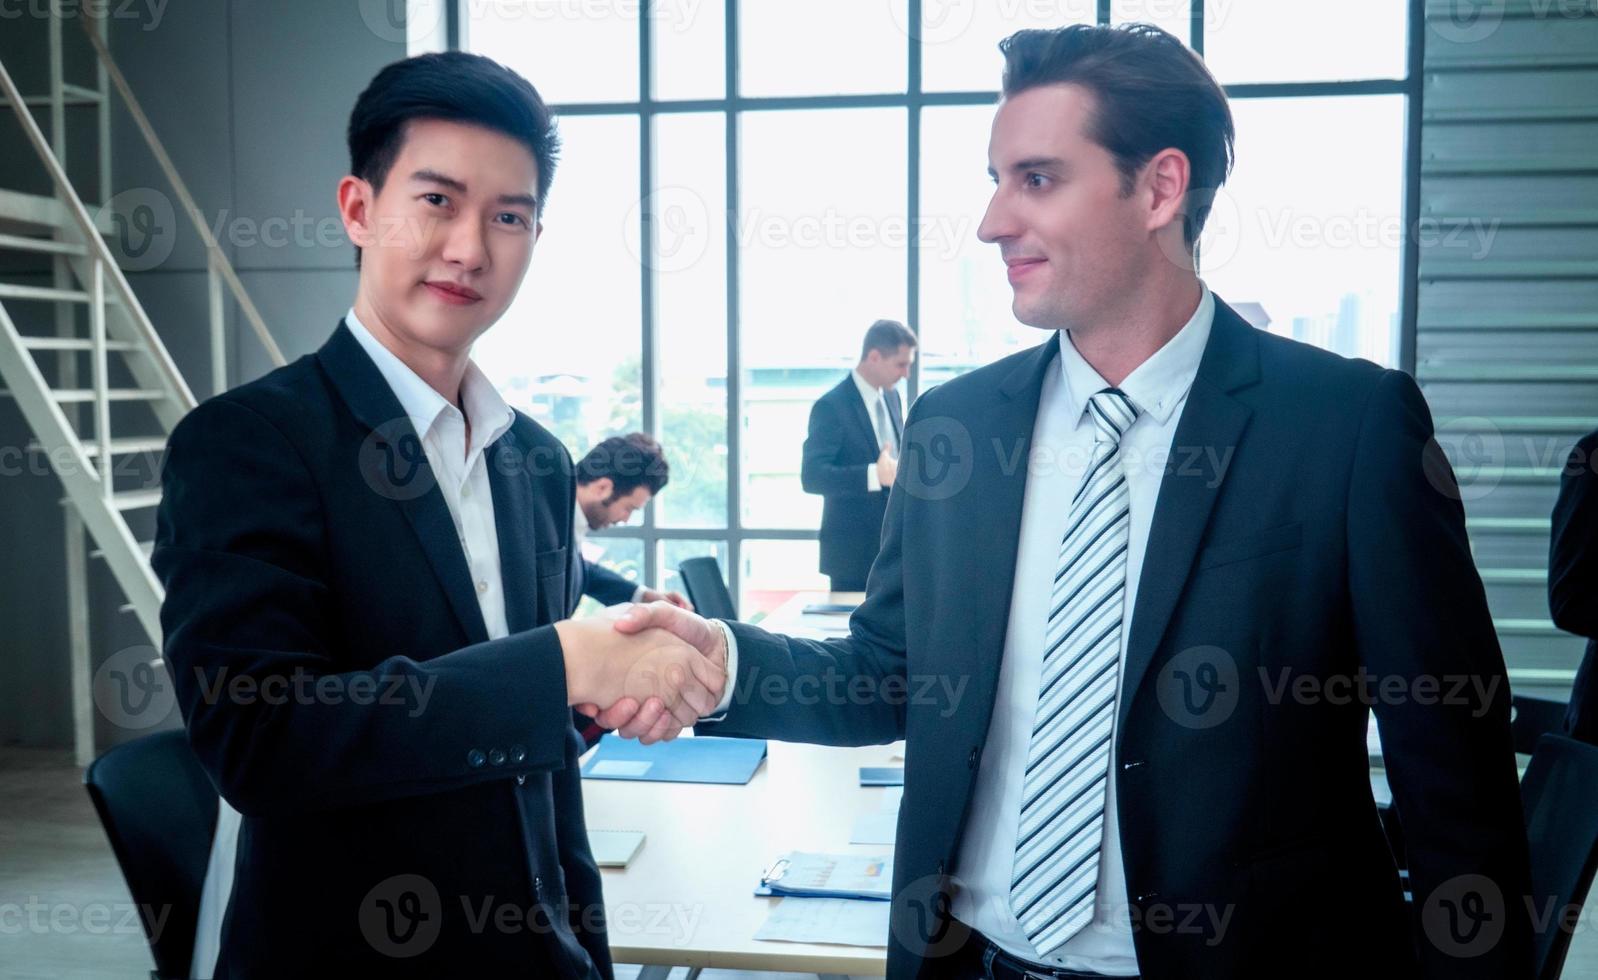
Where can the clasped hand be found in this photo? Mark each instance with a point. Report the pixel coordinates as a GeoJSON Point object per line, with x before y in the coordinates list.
{"type": "Point", "coordinates": [648, 670]}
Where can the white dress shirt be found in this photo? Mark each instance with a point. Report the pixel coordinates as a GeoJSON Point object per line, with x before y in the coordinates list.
{"type": "Point", "coordinates": [874, 396]}
{"type": "Point", "coordinates": [1062, 446]}
{"type": "Point", "coordinates": [462, 474]}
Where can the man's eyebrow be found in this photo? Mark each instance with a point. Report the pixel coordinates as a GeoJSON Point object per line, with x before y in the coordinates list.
{"type": "Point", "coordinates": [444, 180]}
{"type": "Point", "coordinates": [1039, 163]}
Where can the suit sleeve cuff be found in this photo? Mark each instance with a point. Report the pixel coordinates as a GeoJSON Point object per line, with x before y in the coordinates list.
{"type": "Point", "coordinates": [873, 482]}
{"type": "Point", "coordinates": [732, 673]}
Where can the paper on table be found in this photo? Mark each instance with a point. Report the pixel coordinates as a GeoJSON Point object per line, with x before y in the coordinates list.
{"type": "Point", "coordinates": [840, 921]}
{"type": "Point", "coordinates": [876, 828]}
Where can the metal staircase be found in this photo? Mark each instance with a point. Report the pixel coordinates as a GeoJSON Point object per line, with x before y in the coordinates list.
{"type": "Point", "coordinates": [80, 357]}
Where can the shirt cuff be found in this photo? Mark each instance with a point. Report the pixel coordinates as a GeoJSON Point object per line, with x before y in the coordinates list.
{"type": "Point", "coordinates": [638, 594]}
{"type": "Point", "coordinates": [732, 673]}
{"type": "Point", "coordinates": [873, 481]}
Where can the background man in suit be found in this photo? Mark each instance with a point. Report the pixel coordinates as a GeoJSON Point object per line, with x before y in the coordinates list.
{"type": "Point", "coordinates": [365, 556]}
{"type": "Point", "coordinates": [1573, 578]}
{"type": "Point", "coordinates": [1137, 589]}
{"type": "Point", "coordinates": [615, 479]}
{"type": "Point", "coordinates": [851, 453]}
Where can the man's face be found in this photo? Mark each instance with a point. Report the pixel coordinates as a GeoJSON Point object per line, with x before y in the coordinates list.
{"type": "Point", "coordinates": [610, 508]}
{"type": "Point", "coordinates": [1072, 243]}
{"type": "Point", "coordinates": [446, 242]}
{"type": "Point", "coordinates": [884, 370]}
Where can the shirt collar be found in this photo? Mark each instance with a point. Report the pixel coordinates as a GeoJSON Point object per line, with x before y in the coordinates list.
{"type": "Point", "coordinates": [868, 391]}
{"type": "Point", "coordinates": [1157, 385]}
{"type": "Point", "coordinates": [490, 414]}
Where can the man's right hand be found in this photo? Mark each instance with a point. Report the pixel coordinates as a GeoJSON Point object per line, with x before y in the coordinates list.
{"type": "Point", "coordinates": [887, 468]}
{"type": "Point", "coordinates": [609, 668]}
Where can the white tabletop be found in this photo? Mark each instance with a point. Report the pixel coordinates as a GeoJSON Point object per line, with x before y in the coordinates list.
{"type": "Point", "coordinates": [687, 898]}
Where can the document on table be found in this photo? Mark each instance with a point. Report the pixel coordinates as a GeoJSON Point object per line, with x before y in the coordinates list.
{"type": "Point", "coordinates": [840, 921]}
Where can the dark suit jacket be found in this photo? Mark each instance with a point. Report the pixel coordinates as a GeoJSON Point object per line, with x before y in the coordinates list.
{"type": "Point", "coordinates": [302, 541]}
{"type": "Point", "coordinates": [605, 586]}
{"type": "Point", "coordinates": [1573, 578]}
{"type": "Point", "coordinates": [1306, 524]}
{"type": "Point", "coordinates": [840, 445]}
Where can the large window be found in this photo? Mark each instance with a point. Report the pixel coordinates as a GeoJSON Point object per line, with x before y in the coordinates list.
{"type": "Point", "coordinates": [745, 186]}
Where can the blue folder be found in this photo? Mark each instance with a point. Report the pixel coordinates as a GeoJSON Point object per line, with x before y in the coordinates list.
{"type": "Point", "coordinates": [700, 759]}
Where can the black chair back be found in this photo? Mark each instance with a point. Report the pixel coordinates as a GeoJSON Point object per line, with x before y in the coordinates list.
{"type": "Point", "coordinates": [1560, 796]}
{"type": "Point", "coordinates": [707, 589]}
{"type": "Point", "coordinates": [159, 810]}
{"type": "Point", "coordinates": [1531, 718]}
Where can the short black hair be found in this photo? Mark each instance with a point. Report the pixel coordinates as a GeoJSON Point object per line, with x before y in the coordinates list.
{"type": "Point", "coordinates": [630, 461]}
{"type": "Point", "coordinates": [1151, 93]}
{"type": "Point", "coordinates": [454, 86]}
{"type": "Point", "coordinates": [886, 336]}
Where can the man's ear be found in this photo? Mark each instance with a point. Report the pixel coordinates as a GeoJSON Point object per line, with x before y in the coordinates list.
{"type": "Point", "coordinates": [1166, 179]}
{"type": "Point", "coordinates": [355, 207]}
{"type": "Point", "coordinates": [602, 487]}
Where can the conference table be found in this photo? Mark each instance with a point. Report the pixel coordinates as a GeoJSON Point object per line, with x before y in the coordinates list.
{"type": "Point", "coordinates": [687, 898]}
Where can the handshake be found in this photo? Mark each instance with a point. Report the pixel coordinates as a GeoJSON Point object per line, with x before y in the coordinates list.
{"type": "Point", "coordinates": [647, 671]}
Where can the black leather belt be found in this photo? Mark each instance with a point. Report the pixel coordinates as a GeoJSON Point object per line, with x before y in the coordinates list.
{"type": "Point", "coordinates": [980, 959]}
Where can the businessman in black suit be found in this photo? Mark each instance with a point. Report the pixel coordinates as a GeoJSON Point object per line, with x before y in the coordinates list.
{"type": "Point", "coordinates": [1137, 589]}
{"type": "Point", "coordinates": [1573, 578]}
{"type": "Point", "coordinates": [616, 479]}
{"type": "Point", "coordinates": [367, 560]}
{"type": "Point", "coordinates": [851, 453]}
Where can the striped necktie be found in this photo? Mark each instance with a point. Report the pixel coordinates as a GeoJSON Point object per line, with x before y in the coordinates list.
{"type": "Point", "coordinates": [1068, 760]}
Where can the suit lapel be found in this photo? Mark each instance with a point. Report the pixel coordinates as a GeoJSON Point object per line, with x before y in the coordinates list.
{"type": "Point", "coordinates": [1002, 444]}
{"type": "Point", "coordinates": [851, 394]}
{"type": "Point", "coordinates": [393, 438]}
{"type": "Point", "coordinates": [1207, 436]}
{"type": "Point", "coordinates": [513, 522]}
{"type": "Point", "coordinates": [896, 415]}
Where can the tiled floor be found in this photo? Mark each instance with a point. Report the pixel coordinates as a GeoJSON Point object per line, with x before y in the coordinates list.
{"type": "Point", "coordinates": [64, 907]}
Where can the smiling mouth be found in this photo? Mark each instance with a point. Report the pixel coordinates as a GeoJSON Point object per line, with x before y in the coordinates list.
{"type": "Point", "coordinates": [452, 293]}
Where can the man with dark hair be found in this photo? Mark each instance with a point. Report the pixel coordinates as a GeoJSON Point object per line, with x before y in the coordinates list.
{"type": "Point", "coordinates": [1138, 590]}
{"type": "Point", "coordinates": [366, 557]}
{"type": "Point", "coordinates": [851, 454]}
{"type": "Point", "coordinates": [615, 479]}
{"type": "Point", "coordinates": [1573, 578]}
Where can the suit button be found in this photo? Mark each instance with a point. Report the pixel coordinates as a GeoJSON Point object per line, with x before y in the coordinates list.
{"type": "Point", "coordinates": [475, 758]}
{"type": "Point", "coordinates": [496, 757]}
{"type": "Point", "coordinates": [518, 754]}
{"type": "Point", "coordinates": [971, 760]}
{"type": "Point", "coordinates": [1147, 897]}
{"type": "Point", "coordinates": [521, 780]}
{"type": "Point", "coordinates": [1131, 765]}
{"type": "Point", "coordinates": [538, 887]}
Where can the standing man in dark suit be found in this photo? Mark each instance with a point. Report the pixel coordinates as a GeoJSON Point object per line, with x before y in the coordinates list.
{"type": "Point", "coordinates": [1573, 578]}
{"type": "Point", "coordinates": [851, 453]}
{"type": "Point", "coordinates": [1138, 590]}
{"type": "Point", "coordinates": [616, 479]}
{"type": "Point", "coordinates": [366, 556]}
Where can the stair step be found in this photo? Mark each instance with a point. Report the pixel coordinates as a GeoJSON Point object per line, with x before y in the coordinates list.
{"type": "Point", "coordinates": [75, 343]}
{"type": "Point", "coordinates": [147, 547]}
{"type": "Point", "coordinates": [1514, 576]}
{"type": "Point", "coordinates": [25, 243]}
{"type": "Point", "coordinates": [10, 290]}
{"type": "Point", "coordinates": [135, 499]}
{"type": "Point", "coordinates": [72, 395]}
{"type": "Point", "coordinates": [71, 95]}
{"type": "Point", "coordinates": [125, 446]}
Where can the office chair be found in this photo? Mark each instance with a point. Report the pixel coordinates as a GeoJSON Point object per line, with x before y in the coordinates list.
{"type": "Point", "coordinates": [159, 810]}
{"type": "Point", "coordinates": [1560, 797]}
{"type": "Point", "coordinates": [1531, 718]}
{"type": "Point", "coordinates": [707, 590]}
